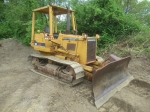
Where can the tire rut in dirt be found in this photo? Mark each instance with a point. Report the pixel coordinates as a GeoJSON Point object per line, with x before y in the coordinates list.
{"type": "Point", "coordinates": [141, 88]}
{"type": "Point", "coordinates": [85, 90]}
{"type": "Point", "coordinates": [118, 105]}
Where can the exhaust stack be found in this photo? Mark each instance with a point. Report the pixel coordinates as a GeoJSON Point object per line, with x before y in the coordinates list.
{"type": "Point", "coordinates": [68, 21]}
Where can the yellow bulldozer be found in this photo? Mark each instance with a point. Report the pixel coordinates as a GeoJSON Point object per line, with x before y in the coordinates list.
{"type": "Point", "coordinates": [72, 57]}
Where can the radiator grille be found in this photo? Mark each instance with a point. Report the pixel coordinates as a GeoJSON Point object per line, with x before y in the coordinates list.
{"type": "Point", "coordinates": [91, 49]}
{"type": "Point", "coordinates": [71, 46]}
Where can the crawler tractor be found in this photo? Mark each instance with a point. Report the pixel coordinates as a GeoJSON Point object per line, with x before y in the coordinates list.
{"type": "Point", "coordinates": [72, 57]}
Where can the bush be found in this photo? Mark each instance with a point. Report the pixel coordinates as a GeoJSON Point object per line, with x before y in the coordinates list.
{"type": "Point", "coordinates": [105, 18]}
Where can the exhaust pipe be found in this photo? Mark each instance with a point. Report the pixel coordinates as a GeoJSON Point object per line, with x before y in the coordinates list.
{"type": "Point", "coordinates": [68, 21]}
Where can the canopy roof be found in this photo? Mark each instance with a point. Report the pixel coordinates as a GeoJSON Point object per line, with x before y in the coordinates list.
{"type": "Point", "coordinates": [56, 10]}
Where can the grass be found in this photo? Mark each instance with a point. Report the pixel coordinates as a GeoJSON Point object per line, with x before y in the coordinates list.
{"type": "Point", "coordinates": [136, 44]}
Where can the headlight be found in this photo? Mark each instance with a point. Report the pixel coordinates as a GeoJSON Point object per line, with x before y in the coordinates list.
{"type": "Point", "coordinates": [85, 36]}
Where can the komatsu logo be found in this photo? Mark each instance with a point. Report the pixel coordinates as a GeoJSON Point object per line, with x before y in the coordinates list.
{"type": "Point", "coordinates": [39, 44]}
{"type": "Point", "coordinates": [92, 39]}
{"type": "Point", "coordinates": [65, 38]}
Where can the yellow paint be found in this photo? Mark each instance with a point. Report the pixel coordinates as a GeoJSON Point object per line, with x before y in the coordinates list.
{"type": "Point", "coordinates": [73, 22]}
{"type": "Point", "coordinates": [87, 68]}
{"type": "Point", "coordinates": [61, 57]}
{"type": "Point", "coordinates": [48, 45]}
{"type": "Point", "coordinates": [51, 21]}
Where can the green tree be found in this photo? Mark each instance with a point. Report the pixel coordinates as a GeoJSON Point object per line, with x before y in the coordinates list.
{"type": "Point", "coordinates": [105, 18]}
{"type": "Point", "coordinates": [142, 12]}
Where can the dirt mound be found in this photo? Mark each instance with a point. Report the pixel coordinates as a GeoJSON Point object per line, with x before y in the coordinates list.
{"type": "Point", "coordinates": [13, 48]}
{"type": "Point", "coordinates": [22, 91]}
{"type": "Point", "coordinates": [13, 54]}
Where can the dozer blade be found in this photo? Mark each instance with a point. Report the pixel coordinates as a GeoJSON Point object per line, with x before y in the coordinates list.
{"type": "Point", "coordinates": [110, 79]}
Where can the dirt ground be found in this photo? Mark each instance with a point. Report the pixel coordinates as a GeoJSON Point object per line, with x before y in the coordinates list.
{"type": "Point", "coordinates": [24, 91]}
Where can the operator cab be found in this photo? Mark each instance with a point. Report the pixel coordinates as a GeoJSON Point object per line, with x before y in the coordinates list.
{"type": "Point", "coordinates": [52, 13]}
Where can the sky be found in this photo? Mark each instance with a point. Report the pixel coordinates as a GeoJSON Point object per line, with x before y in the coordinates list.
{"type": "Point", "coordinates": [142, 0]}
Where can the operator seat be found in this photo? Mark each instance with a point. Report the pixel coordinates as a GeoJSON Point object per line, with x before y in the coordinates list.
{"type": "Point", "coordinates": [47, 30]}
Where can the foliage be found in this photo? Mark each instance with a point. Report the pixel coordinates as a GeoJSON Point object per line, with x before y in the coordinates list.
{"type": "Point", "coordinates": [16, 23]}
{"type": "Point", "coordinates": [137, 44]}
{"type": "Point", "coordinates": [142, 12]}
{"type": "Point", "coordinates": [139, 9]}
{"type": "Point", "coordinates": [141, 41]}
{"type": "Point", "coordinates": [106, 18]}
{"type": "Point", "coordinates": [15, 14]}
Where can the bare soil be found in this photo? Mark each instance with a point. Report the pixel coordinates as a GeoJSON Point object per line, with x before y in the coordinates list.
{"type": "Point", "coordinates": [24, 91]}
